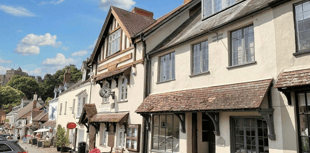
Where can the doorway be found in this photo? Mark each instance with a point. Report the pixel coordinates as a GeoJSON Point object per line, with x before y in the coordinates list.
{"type": "Point", "coordinates": [203, 137]}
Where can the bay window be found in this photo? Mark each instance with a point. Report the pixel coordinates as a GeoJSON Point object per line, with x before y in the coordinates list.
{"type": "Point", "coordinates": [211, 7]}
{"type": "Point", "coordinates": [165, 133]}
{"type": "Point", "coordinates": [167, 67]}
{"type": "Point", "coordinates": [114, 42]}
{"type": "Point", "coordinates": [249, 135]}
{"type": "Point", "coordinates": [242, 46]}
{"type": "Point", "coordinates": [200, 58]}
{"type": "Point", "coordinates": [302, 21]}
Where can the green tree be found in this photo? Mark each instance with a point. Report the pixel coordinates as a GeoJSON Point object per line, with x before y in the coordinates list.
{"type": "Point", "coordinates": [51, 81]}
{"type": "Point", "coordinates": [10, 96]}
{"type": "Point", "coordinates": [62, 137]}
{"type": "Point", "coordinates": [25, 84]}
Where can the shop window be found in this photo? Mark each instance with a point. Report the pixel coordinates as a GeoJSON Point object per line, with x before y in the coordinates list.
{"type": "Point", "coordinates": [103, 135]}
{"type": "Point", "coordinates": [242, 46]}
{"type": "Point", "coordinates": [304, 121]}
{"type": "Point", "coordinates": [133, 137]}
{"type": "Point", "coordinates": [200, 58]}
{"type": "Point", "coordinates": [302, 22]}
{"type": "Point", "coordinates": [165, 133]}
{"type": "Point", "coordinates": [249, 135]}
{"type": "Point", "coordinates": [167, 67]}
{"type": "Point", "coordinates": [121, 137]}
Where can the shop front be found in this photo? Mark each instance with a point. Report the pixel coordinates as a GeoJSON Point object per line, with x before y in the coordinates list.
{"type": "Point", "coordinates": [229, 118]}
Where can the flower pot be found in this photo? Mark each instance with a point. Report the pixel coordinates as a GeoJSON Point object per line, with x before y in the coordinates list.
{"type": "Point", "coordinates": [64, 149]}
{"type": "Point", "coordinates": [58, 148]}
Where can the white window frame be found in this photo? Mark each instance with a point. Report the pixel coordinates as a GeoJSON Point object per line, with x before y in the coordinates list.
{"type": "Point", "coordinates": [81, 99]}
{"type": "Point", "coordinates": [114, 41]}
{"type": "Point", "coordinates": [60, 109]}
{"type": "Point", "coordinates": [106, 100]}
{"type": "Point", "coordinates": [123, 89]}
{"type": "Point", "coordinates": [73, 106]}
{"type": "Point", "coordinates": [200, 53]}
{"type": "Point", "coordinates": [104, 136]}
{"type": "Point", "coordinates": [65, 109]}
{"type": "Point", "coordinates": [224, 4]}
{"type": "Point", "coordinates": [241, 55]}
{"type": "Point", "coordinates": [166, 67]}
{"type": "Point", "coordinates": [121, 137]}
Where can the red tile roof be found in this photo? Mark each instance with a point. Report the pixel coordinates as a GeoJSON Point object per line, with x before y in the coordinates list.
{"type": "Point", "coordinates": [247, 95]}
{"type": "Point", "coordinates": [41, 117]}
{"type": "Point", "coordinates": [293, 78]}
{"type": "Point", "coordinates": [111, 117]}
{"type": "Point", "coordinates": [50, 124]}
{"type": "Point", "coordinates": [132, 22]}
{"type": "Point", "coordinates": [124, 70]}
{"type": "Point", "coordinates": [26, 115]}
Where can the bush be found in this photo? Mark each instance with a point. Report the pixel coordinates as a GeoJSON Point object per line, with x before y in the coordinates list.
{"type": "Point", "coordinates": [62, 137]}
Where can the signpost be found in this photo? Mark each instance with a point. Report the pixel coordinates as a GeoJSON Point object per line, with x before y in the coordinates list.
{"type": "Point", "coordinates": [72, 126]}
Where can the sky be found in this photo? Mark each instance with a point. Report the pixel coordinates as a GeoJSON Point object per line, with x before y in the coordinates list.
{"type": "Point", "coordinates": [42, 36]}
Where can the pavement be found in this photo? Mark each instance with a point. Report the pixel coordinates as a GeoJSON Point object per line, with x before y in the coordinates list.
{"type": "Point", "coordinates": [35, 149]}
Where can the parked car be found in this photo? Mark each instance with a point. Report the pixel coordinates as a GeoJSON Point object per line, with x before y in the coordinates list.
{"type": "Point", "coordinates": [10, 146]}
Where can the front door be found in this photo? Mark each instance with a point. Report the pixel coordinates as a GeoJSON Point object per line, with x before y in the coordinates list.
{"type": "Point", "coordinates": [303, 113]}
{"type": "Point", "coordinates": [208, 135]}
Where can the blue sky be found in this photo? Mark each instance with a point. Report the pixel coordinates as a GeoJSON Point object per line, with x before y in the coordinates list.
{"type": "Point", "coordinates": [42, 36]}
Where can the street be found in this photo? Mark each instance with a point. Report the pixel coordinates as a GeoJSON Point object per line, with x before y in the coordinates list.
{"type": "Point", "coordinates": [34, 149]}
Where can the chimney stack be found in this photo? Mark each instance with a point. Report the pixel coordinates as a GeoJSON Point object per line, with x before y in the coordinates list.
{"type": "Point", "coordinates": [35, 96]}
{"type": "Point", "coordinates": [67, 76]}
{"type": "Point", "coordinates": [142, 12]}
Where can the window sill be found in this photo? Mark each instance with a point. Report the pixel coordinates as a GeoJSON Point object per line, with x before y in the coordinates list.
{"type": "Point", "coordinates": [124, 101]}
{"type": "Point", "coordinates": [199, 74]}
{"type": "Point", "coordinates": [105, 103]}
{"type": "Point", "coordinates": [242, 65]}
{"type": "Point", "coordinates": [302, 52]}
{"type": "Point", "coordinates": [165, 81]}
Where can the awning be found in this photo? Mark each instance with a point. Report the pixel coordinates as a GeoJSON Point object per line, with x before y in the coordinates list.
{"type": "Point", "coordinates": [50, 124]}
{"type": "Point", "coordinates": [42, 130]}
{"type": "Point", "coordinates": [121, 71]}
{"type": "Point", "coordinates": [110, 118]}
{"type": "Point", "coordinates": [89, 110]}
{"type": "Point", "coordinates": [293, 79]}
{"type": "Point", "coordinates": [241, 96]}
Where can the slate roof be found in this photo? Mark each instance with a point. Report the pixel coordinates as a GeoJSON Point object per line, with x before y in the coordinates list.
{"type": "Point", "coordinates": [105, 75]}
{"type": "Point", "coordinates": [248, 95]}
{"type": "Point", "coordinates": [293, 78]}
{"type": "Point", "coordinates": [110, 117]}
{"type": "Point", "coordinates": [50, 124]}
{"type": "Point", "coordinates": [201, 27]}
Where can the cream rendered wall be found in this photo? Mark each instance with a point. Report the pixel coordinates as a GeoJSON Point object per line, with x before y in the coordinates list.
{"type": "Point", "coordinates": [274, 46]}
{"type": "Point", "coordinates": [68, 97]}
{"type": "Point", "coordinates": [160, 34]}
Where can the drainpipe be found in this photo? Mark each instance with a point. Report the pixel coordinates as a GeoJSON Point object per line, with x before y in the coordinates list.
{"type": "Point", "coordinates": [146, 93]}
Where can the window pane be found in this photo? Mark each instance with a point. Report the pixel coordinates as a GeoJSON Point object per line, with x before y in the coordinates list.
{"type": "Point", "coordinates": [196, 59]}
{"type": "Point", "coordinates": [207, 10]}
{"type": "Point", "coordinates": [135, 132]}
{"type": "Point", "coordinates": [302, 12]}
{"type": "Point", "coordinates": [129, 132]}
{"type": "Point", "coordinates": [205, 58]}
{"type": "Point", "coordinates": [128, 143]}
{"type": "Point", "coordinates": [305, 144]}
{"type": "Point", "coordinates": [217, 5]}
{"type": "Point", "coordinates": [162, 138]}
{"type": "Point", "coordinates": [4, 148]}
{"type": "Point", "coordinates": [156, 120]}
{"type": "Point", "coordinates": [134, 144]}
{"type": "Point", "coordinates": [172, 65]}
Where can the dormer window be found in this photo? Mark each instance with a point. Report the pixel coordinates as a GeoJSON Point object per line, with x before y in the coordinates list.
{"type": "Point", "coordinates": [114, 42]}
{"type": "Point", "coordinates": [211, 7]}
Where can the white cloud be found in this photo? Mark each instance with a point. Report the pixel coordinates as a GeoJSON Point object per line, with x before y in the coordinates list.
{"type": "Point", "coordinates": [36, 72]}
{"type": "Point", "coordinates": [124, 4]}
{"type": "Point", "coordinates": [80, 53]}
{"type": "Point", "coordinates": [16, 11]}
{"type": "Point", "coordinates": [4, 61]}
{"type": "Point", "coordinates": [3, 69]}
{"type": "Point", "coordinates": [30, 44]}
{"type": "Point", "coordinates": [59, 61]}
{"type": "Point", "coordinates": [51, 2]}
